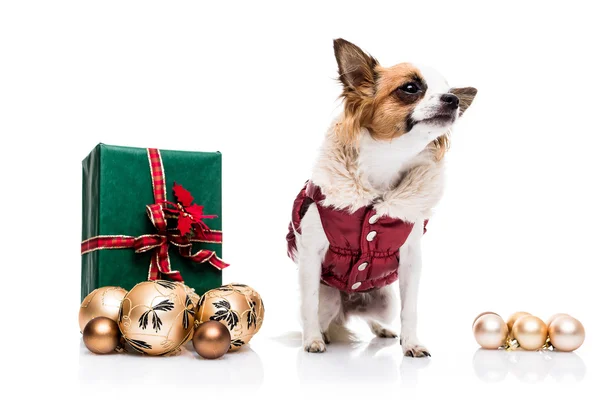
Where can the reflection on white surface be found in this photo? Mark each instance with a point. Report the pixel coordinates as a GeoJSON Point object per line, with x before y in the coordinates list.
{"type": "Point", "coordinates": [373, 362]}
{"type": "Point", "coordinates": [410, 369]}
{"type": "Point", "coordinates": [378, 361]}
{"type": "Point", "coordinates": [360, 364]}
{"type": "Point", "coordinates": [282, 361]}
{"type": "Point", "coordinates": [528, 366]}
{"type": "Point", "coordinates": [176, 370]}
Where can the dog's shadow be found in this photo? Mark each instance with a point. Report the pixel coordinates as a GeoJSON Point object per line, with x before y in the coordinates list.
{"type": "Point", "coordinates": [376, 361]}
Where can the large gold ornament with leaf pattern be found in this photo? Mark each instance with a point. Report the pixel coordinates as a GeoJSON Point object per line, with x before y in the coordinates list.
{"type": "Point", "coordinates": [238, 307]}
{"type": "Point", "coordinates": [195, 298]}
{"type": "Point", "coordinates": [102, 302]}
{"type": "Point", "coordinates": [157, 317]}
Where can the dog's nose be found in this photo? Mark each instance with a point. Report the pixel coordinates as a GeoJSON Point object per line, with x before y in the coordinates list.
{"type": "Point", "coordinates": [449, 100]}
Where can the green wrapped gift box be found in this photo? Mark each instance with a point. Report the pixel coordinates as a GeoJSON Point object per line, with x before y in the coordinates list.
{"type": "Point", "coordinates": [131, 229]}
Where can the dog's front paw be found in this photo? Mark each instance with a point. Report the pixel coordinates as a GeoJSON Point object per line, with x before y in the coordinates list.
{"type": "Point", "coordinates": [412, 349]}
{"type": "Point", "coordinates": [314, 345]}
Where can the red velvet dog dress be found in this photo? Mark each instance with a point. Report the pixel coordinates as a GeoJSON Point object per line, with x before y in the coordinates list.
{"type": "Point", "coordinates": [364, 249]}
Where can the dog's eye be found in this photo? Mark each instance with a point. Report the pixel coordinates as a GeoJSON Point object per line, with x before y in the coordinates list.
{"type": "Point", "coordinates": [410, 88]}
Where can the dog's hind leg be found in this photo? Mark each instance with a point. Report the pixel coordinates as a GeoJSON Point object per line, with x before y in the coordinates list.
{"type": "Point", "coordinates": [382, 331]}
{"type": "Point", "coordinates": [381, 311]}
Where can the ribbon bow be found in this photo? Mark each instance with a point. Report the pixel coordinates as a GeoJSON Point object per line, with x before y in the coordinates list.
{"type": "Point", "coordinates": [190, 228]}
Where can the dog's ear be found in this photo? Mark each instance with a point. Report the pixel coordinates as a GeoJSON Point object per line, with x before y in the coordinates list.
{"type": "Point", "coordinates": [355, 67]}
{"type": "Point", "coordinates": [357, 73]}
{"type": "Point", "coordinates": [465, 97]}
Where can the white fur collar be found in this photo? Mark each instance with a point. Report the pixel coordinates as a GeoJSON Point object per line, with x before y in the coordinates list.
{"type": "Point", "coordinates": [401, 186]}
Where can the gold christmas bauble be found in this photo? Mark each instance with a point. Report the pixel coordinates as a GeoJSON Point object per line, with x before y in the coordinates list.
{"type": "Point", "coordinates": [531, 332]}
{"type": "Point", "coordinates": [211, 340]}
{"type": "Point", "coordinates": [238, 307]}
{"type": "Point", "coordinates": [566, 333]}
{"type": "Point", "coordinates": [102, 302]}
{"type": "Point", "coordinates": [157, 317]}
{"type": "Point", "coordinates": [257, 304]}
{"type": "Point", "coordinates": [195, 299]}
{"type": "Point", "coordinates": [513, 318]}
{"type": "Point", "coordinates": [490, 331]}
{"type": "Point", "coordinates": [101, 335]}
{"type": "Point", "coordinates": [191, 292]}
{"type": "Point", "coordinates": [552, 318]}
{"type": "Point", "coordinates": [483, 313]}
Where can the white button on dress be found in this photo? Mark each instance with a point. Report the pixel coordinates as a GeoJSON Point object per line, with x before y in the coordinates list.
{"type": "Point", "coordinates": [363, 266]}
{"type": "Point", "coordinates": [356, 286]}
{"type": "Point", "coordinates": [371, 235]}
{"type": "Point", "coordinates": [374, 218]}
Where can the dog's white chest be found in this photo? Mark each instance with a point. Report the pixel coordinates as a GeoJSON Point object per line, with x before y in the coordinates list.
{"type": "Point", "coordinates": [382, 162]}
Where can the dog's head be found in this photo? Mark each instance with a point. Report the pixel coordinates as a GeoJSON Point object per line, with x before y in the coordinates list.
{"type": "Point", "coordinates": [395, 101]}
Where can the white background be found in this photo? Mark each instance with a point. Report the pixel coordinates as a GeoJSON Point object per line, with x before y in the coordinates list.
{"type": "Point", "coordinates": [516, 230]}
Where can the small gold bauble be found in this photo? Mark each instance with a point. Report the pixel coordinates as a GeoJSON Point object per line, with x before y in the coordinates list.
{"type": "Point", "coordinates": [530, 331]}
{"type": "Point", "coordinates": [482, 314]}
{"type": "Point", "coordinates": [101, 335]}
{"type": "Point", "coordinates": [238, 307]}
{"type": "Point", "coordinates": [102, 302]}
{"type": "Point", "coordinates": [566, 333]}
{"type": "Point", "coordinates": [211, 340]}
{"type": "Point", "coordinates": [513, 318]}
{"type": "Point", "coordinates": [157, 317]}
{"type": "Point", "coordinates": [490, 331]}
{"type": "Point", "coordinates": [552, 318]}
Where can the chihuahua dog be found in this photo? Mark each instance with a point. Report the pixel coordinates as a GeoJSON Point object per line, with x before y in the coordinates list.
{"type": "Point", "coordinates": [357, 223]}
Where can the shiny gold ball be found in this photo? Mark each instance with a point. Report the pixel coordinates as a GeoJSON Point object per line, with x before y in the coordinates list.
{"type": "Point", "coordinates": [566, 333]}
{"type": "Point", "coordinates": [552, 318]}
{"type": "Point", "coordinates": [101, 335]}
{"type": "Point", "coordinates": [102, 302]}
{"type": "Point", "coordinates": [238, 307]}
{"type": "Point", "coordinates": [157, 317]}
{"type": "Point", "coordinates": [483, 313]}
{"type": "Point", "coordinates": [531, 332]}
{"type": "Point", "coordinates": [211, 340]}
{"type": "Point", "coordinates": [513, 318]}
{"type": "Point", "coordinates": [490, 331]}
